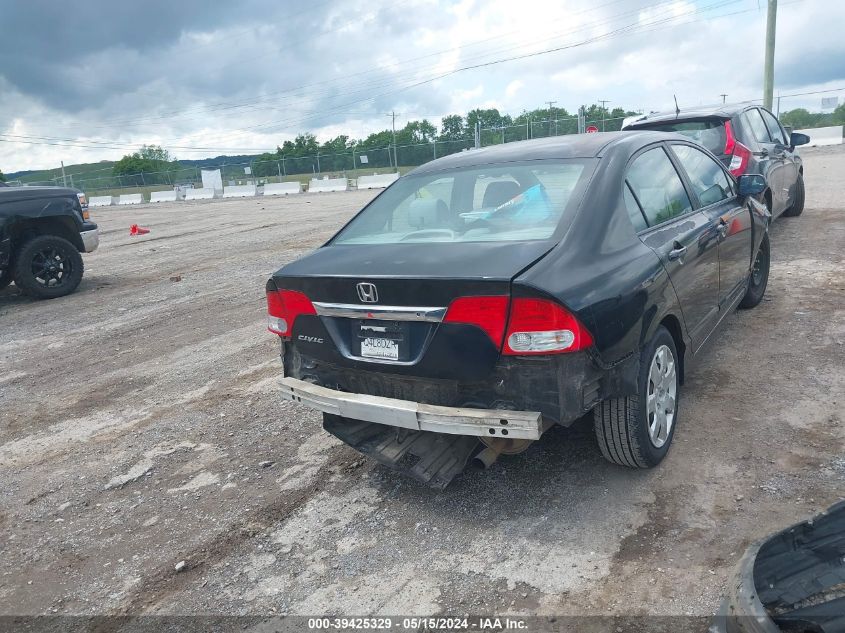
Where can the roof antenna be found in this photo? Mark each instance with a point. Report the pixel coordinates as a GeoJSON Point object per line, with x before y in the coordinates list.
{"type": "Point", "coordinates": [677, 109]}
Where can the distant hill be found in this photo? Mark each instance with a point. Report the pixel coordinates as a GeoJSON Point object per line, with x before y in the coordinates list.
{"type": "Point", "coordinates": [82, 171]}
{"type": "Point", "coordinates": [89, 171]}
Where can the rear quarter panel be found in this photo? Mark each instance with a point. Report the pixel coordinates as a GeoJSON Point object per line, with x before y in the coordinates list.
{"type": "Point", "coordinates": [613, 283]}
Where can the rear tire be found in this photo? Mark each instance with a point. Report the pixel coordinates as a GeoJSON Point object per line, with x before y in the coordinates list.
{"type": "Point", "coordinates": [759, 278]}
{"type": "Point", "coordinates": [637, 431]}
{"type": "Point", "coordinates": [797, 207]}
{"type": "Point", "coordinates": [47, 267]}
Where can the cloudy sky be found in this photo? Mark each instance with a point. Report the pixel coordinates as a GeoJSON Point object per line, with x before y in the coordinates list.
{"type": "Point", "coordinates": [95, 79]}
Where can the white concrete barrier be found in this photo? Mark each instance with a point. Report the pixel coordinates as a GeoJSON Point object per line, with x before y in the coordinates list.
{"type": "Point", "coordinates": [823, 135]}
{"type": "Point", "coordinates": [281, 188]}
{"type": "Point", "coordinates": [102, 201]}
{"type": "Point", "coordinates": [131, 198]}
{"type": "Point", "coordinates": [240, 191]}
{"type": "Point", "coordinates": [377, 181]}
{"type": "Point", "coordinates": [328, 184]}
{"type": "Point", "coordinates": [202, 193]}
{"type": "Point", "coordinates": [163, 196]}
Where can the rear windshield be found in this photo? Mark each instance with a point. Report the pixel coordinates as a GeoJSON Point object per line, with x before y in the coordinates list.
{"type": "Point", "coordinates": [491, 203]}
{"type": "Point", "coordinates": [709, 133]}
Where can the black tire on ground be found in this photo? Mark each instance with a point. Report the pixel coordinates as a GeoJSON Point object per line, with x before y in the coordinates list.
{"type": "Point", "coordinates": [622, 425]}
{"type": "Point", "coordinates": [797, 207]}
{"type": "Point", "coordinates": [759, 278]}
{"type": "Point", "coordinates": [48, 266]}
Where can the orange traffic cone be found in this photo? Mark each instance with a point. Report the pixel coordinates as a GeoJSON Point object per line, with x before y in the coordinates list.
{"type": "Point", "coordinates": [138, 230]}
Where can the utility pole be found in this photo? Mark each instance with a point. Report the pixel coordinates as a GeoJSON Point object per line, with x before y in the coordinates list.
{"type": "Point", "coordinates": [769, 68]}
{"type": "Point", "coordinates": [393, 125]}
{"type": "Point", "coordinates": [64, 178]}
{"type": "Point", "coordinates": [603, 111]}
{"type": "Point", "coordinates": [551, 109]}
{"type": "Point", "coordinates": [723, 95]}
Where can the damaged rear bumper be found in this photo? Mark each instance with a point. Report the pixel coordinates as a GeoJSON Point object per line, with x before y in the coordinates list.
{"type": "Point", "coordinates": [415, 416]}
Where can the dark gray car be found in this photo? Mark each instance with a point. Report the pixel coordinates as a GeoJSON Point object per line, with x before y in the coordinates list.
{"type": "Point", "coordinates": [749, 140]}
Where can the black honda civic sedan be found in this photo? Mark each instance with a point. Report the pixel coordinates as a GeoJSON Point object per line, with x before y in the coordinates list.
{"type": "Point", "coordinates": [491, 294]}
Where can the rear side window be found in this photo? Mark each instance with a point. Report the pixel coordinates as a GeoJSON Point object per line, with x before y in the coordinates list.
{"type": "Point", "coordinates": [634, 211]}
{"type": "Point", "coordinates": [710, 133]}
{"type": "Point", "coordinates": [755, 123]}
{"type": "Point", "coordinates": [775, 130]}
{"type": "Point", "coordinates": [706, 176]}
{"type": "Point", "coordinates": [658, 187]}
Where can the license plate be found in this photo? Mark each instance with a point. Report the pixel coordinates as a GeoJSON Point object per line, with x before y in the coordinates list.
{"type": "Point", "coordinates": [380, 348]}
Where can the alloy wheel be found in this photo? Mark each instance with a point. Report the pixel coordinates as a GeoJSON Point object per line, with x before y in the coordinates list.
{"type": "Point", "coordinates": [51, 267]}
{"type": "Point", "coordinates": [661, 395]}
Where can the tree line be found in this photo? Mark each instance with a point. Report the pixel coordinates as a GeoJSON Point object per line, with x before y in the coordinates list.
{"type": "Point", "coordinates": [801, 118]}
{"type": "Point", "coordinates": [420, 141]}
{"type": "Point", "coordinates": [413, 144]}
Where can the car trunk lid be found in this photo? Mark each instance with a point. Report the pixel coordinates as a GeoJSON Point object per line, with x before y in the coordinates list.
{"type": "Point", "coordinates": [386, 311]}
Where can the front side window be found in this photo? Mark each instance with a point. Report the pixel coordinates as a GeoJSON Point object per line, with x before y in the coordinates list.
{"type": "Point", "coordinates": [706, 176]}
{"type": "Point", "coordinates": [658, 187]}
{"type": "Point", "coordinates": [775, 130]}
{"type": "Point", "coordinates": [755, 123]}
{"type": "Point", "coordinates": [504, 202]}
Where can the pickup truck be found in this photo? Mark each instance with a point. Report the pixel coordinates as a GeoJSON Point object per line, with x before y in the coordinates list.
{"type": "Point", "coordinates": [43, 230]}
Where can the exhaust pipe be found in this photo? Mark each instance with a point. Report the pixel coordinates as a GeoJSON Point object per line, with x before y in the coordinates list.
{"type": "Point", "coordinates": [487, 457]}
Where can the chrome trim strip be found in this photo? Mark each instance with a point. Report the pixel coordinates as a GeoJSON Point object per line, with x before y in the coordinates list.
{"type": "Point", "coordinates": [383, 313]}
{"type": "Point", "coordinates": [413, 415]}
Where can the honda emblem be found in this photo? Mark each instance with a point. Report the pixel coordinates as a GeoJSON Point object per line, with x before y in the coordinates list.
{"type": "Point", "coordinates": [367, 292]}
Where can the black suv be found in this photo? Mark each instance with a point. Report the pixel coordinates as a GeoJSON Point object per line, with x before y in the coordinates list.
{"type": "Point", "coordinates": [749, 140]}
{"type": "Point", "coordinates": [43, 230]}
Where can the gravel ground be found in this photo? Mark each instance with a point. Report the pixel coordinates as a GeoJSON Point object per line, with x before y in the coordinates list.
{"type": "Point", "coordinates": [148, 466]}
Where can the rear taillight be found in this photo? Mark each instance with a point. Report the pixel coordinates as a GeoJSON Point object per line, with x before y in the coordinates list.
{"type": "Point", "coordinates": [541, 326]}
{"type": "Point", "coordinates": [488, 313]}
{"type": "Point", "coordinates": [283, 306]}
{"type": "Point", "coordinates": [739, 153]}
{"type": "Point", "coordinates": [739, 161]}
{"type": "Point", "coordinates": [532, 326]}
{"type": "Point", "coordinates": [730, 139]}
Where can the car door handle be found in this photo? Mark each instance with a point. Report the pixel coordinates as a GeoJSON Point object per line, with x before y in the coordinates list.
{"type": "Point", "coordinates": [678, 252]}
{"type": "Point", "coordinates": [722, 228]}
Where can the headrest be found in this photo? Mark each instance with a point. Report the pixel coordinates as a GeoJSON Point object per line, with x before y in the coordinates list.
{"type": "Point", "coordinates": [425, 213]}
{"type": "Point", "coordinates": [497, 193]}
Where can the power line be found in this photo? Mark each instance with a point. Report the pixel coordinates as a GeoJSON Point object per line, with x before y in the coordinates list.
{"type": "Point", "coordinates": [252, 103]}
{"type": "Point", "coordinates": [616, 32]}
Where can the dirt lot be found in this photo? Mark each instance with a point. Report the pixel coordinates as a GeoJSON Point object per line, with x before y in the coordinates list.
{"type": "Point", "coordinates": [140, 427]}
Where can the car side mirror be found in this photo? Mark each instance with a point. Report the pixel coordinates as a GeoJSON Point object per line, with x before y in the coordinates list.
{"type": "Point", "coordinates": [796, 138]}
{"type": "Point", "coordinates": [751, 185]}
